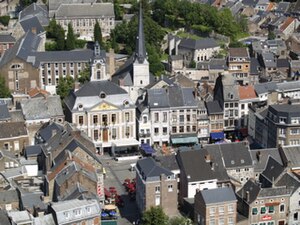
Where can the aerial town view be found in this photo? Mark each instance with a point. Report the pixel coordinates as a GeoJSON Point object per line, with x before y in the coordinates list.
{"type": "Point", "coordinates": [150, 112]}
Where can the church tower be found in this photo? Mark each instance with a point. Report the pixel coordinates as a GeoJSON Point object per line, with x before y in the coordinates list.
{"type": "Point", "coordinates": [98, 64]}
{"type": "Point", "coordinates": [141, 65]}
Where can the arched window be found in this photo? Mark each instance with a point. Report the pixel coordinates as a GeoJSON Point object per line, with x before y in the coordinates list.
{"type": "Point", "coordinates": [98, 75]}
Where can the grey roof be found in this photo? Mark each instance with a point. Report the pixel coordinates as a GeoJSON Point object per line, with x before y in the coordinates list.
{"type": "Point", "coordinates": [140, 48]}
{"type": "Point", "coordinates": [218, 195]}
{"type": "Point", "coordinates": [254, 66]}
{"type": "Point", "coordinates": [8, 197]}
{"type": "Point", "coordinates": [233, 154]}
{"type": "Point", "coordinates": [42, 108]}
{"type": "Point", "coordinates": [269, 59]}
{"type": "Point", "coordinates": [46, 132]}
{"type": "Point", "coordinates": [198, 44]}
{"type": "Point", "coordinates": [4, 113]}
{"type": "Point", "coordinates": [273, 170]}
{"type": "Point", "coordinates": [44, 220]}
{"type": "Point", "coordinates": [260, 157]}
{"type": "Point", "coordinates": [249, 187]}
{"type": "Point", "coordinates": [265, 87]}
{"type": "Point", "coordinates": [283, 7]}
{"type": "Point", "coordinates": [7, 38]}
{"type": "Point", "coordinates": [35, 10]}
{"type": "Point", "coordinates": [283, 63]}
{"type": "Point", "coordinates": [72, 204]}
{"type": "Point", "coordinates": [217, 64]}
{"type": "Point", "coordinates": [4, 218]}
{"type": "Point", "coordinates": [251, 3]}
{"type": "Point", "coordinates": [292, 155]}
{"type": "Point", "coordinates": [213, 107]}
{"type": "Point", "coordinates": [12, 129]}
{"type": "Point", "coordinates": [22, 49]}
{"type": "Point", "coordinates": [275, 191]}
{"type": "Point", "coordinates": [286, 108]}
{"type": "Point", "coordinates": [32, 23]}
{"type": "Point", "coordinates": [193, 163]}
{"type": "Point", "coordinates": [82, 10]}
{"type": "Point", "coordinates": [31, 200]}
{"type": "Point", "coordinates": [288, 86]}
{"type": "Point", "coordinates": [158, 98]}
{"type": "Point", "coordinates": [149, 168]}
{"type": "Point", "coordinates": [32, 150]}
{"type": "Point", "coordinates": [288, 180]}
{"type": "Point", "coordinates": [168, 161]}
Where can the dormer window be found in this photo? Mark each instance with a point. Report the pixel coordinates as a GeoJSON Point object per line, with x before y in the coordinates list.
{"type": "Point", "coordinates": [102, 95]}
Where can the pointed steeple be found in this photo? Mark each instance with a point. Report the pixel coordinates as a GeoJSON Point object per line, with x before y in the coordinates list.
{"type": "Point", "coordinates": [140, 49]}
{"type": "Point", "coordinates": [97, 49]}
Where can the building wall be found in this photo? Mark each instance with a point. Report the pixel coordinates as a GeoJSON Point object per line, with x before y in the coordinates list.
{"type": "Point", "coordinates": [15, 144]}
{"type": "Point", "coordinates": [276, 216]}
{"type": "Point", "coordinates": [242, 174]}
{"type": "Point", "coordinates": [21, 78]}
{"type": "Point", "coordinates": [200, 185]}
{"type": "Point", "coordinates": [294, 214]}
{"type": "Point", "coordinates": [5, 46]}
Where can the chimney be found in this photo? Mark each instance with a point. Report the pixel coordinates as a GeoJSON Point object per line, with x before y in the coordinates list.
{"type": "Point", "coordinates": [33, 30]}
{"type": "Point", "coordinates": [76, 86]}
{"type": "Point", "coordinates": [212, 165]}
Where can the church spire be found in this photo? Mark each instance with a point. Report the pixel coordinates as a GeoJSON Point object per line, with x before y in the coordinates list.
{"type": "Point", "coordinates": [140, 49]}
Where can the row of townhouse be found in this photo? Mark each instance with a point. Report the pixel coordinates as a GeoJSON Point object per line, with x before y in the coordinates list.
{"type": "Point", "coordinates": [223, 184]}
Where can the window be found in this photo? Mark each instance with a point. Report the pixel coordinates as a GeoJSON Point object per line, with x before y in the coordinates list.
{"type": "Point", "coordinates": [181, 129]}
{"type": "Point", "coordinates": [188, 118]}
{"type": "Point", "coordinates": [188, 129]}
{"type": "Point", "coordinates": [295, 216]}
{"type": "Point", "coordinates": [174, 129]}
{"type": "Point", "coordinates": [282, 119]}
{"type": "Point", "coordinates": [88, 209]}
{"type": "Point", "coordinates": [113, 133]}
{"type": "Point", "coordinates": [67, 215]}
{"type": "Point", "coordinates": [271, 209]}
{"type": "Point", "coordinates": [145, 119]}
{"type": "Point", "coordinates": [113, 118]}
{"type": "Point", "coordinates": [212, 222]}
{"type": "Point", "coordinates": [174, 118]}
{"type": "Point", "coordinates": [254, 211]}
{"type": "Point", "coordinates": [156, 117]}
{"type": "Point", "coordinates": [281, 208]}
{"type": "Point", "coordinates": [95, 119]}
{"type": "Point", "coordinates": [104, 120]}
{"type": "Point", "coordinates": [127, 131]}
{"type": "Point", "coordinates": [221, 209]}
{"type": "Point", "coordinates": [156, 131]}
{"type": "Point", "coordinates": [127, 117]}
{"type": "Point", "coordinates": [212, 210]}
{"type": "Point", "coordinates": [221, 221]}
{"type": "Point", "coordinates": [281, 131]}
{"type": "Point", "coordinates": [157, 200]}
{"type": "Point", "coordinates": [242, 106]}
{"type": "Point", "coordinates": [165, 116]}
{"type": "Point", "coordinates": [165, 130]}
{"type": "Point", "coordinates": [157, 189]}
{"type": "Point", "coordinates": [77, 212]}
{"type": "Point", "coordinates": [230, 208]}
{"type": "Point", "coordinates": [231, 220]}
{"type": "Point", "coordinates": [263, 210]}
{"type": "Point", "coordinates": [96, 134]}
{"type": "Point", "coordinates": [294, 131]}
{"type": "Point", "coordinates": [80, 120]}
{"type": "Point", "coordinates": [170, 188]}
{"type": "Point", "coordinates": [98, 75]}
{"type": "Point", "coordinates": [181, 118]}
{"type": "Point", "coordinates": [194, 128]}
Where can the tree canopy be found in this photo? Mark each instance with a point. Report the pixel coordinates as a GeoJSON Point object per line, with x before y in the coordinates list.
{"type": "Point", "coordinates": [4, 91]}
{"type": "Point", "coordinates": [154, 216]}
{"type": "Point", "coordinates": [57, 33]}
{"type": "Point", "coordinates": [71, 39]}
{"type": "Point", "coordinates": [65, 85]}
{"type": "Point", "coordinates": [85, 75]}
{"type": "Point", "coordinates": [98, 34]}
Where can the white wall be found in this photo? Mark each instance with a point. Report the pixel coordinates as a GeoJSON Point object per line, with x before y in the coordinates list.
{"type": "Point", "coordinates": [201, 185]}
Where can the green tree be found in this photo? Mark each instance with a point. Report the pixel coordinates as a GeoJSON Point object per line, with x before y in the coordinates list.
{"type": "Point", "coordinates": [4, 91]}
{"type": "Point", "coordinates": [52, 29]}
{"type": "Point", "coordinates": [85, 75]}
{"type": "Point", "coordinates": [98, 33]}
{"type": "Point", "coordinates": [154, 216]}
{"type": "Point", "coordinates": [60, 38]}
{"type": "Point", "coordinates": [118, 10]}
{"type": "Point", "coordinates": [271, 35]}
{"type": "Point", "coordinates": [65, 85]}
{"type": "Point", "coordinates": [71, 40]}
{"type": "Point", "coordinates": [180, 221]}
{"type": "Point", "coordinates": [4, 20]}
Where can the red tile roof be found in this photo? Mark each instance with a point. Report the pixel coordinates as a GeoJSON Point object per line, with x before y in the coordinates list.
{"type": "Point", "coordinates": [286, 23]}
{"type": "Point", "coordinates": [247, 92]}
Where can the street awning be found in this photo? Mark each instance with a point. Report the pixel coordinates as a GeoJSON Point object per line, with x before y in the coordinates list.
{"type": "Point", "coordinates": [217, 135]}
{"type": "Point", "coordinates": [184, 140]}
{"type": "Point", "coordinates": [147, 149]}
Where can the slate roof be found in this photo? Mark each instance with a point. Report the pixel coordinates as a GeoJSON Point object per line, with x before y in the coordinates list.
{"type": "Point", "coordinates": [32, 199]}
{"type": "Point", "coordinates": [35, 10]}
{"type": "Point", "coordinates": [288, 180]}
{"type": "Point", "coordinates": [273, 170]}
{"type": "Point", "coordinates": [254, 66]}
{"type": "Point", "coordinates": [260, 157]}
{"type": "Point", "coordinates": [289, 85]}
{"type": "Point", "coordinates": [218, 195]}
{"type": "Point", "coordinates": [9, 196]}
{"type": "Point", "coordinates": [149, 168]}
{"type": "Point", "coordinates": [32, 150]}
{"type": "Point", "coordinates": [251, 3]}
{"type": "Point", "coordinates": [82, 10]}
{"type": "Point", "coordinates": [193, 163]}
{"type": "Point", "coordinates": [46, 132]}
{"type": "Point", "coordinates": [249, 187]}
{"type": "Point", "coordinates": [238, 52]}
{"type": "Point", "coordinates": [213, 107]}
{"type": "Point", "coordinates": [32, 23]}
{"type": "Point", "coordinates": [168, 161]}
{"type": "Point", "coordinates": [12, 129]}
{"type": "Point", "coordinates": [292, 156]}
{"type": "Point", "coordinates": [265, 87]}
{"type": "Point", "coordinates": [275, 191]}
{"type": "Point", "coordinates": [42, 108]}
{"type": "Point", "coordinates": [4, 113]}
{"type": "Point", "coordinates": [269, 59]}
{"type": "Point", "coordinates": [7, 38]}
{"type": "Point", "coordinates": [286, 108]}
{"type": "Point", "coordinates": [198, 44]}
{"type": "Point", "coordinates": [217, 64]}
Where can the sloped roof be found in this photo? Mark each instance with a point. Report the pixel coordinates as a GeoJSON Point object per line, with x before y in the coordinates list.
{"type": "Point", "coordinates": [238, 52]}
{"type": "Point", "coordinates": [149, 168]}
{"type": "Point", "coordinates": [4, 113]}
{"type": "Point", "coordinates": [198, 44]}
{"type": "Point", "coordinates": [85, 10]}
{"type": "Point", "coordinates": [262, 88]}
{"type": "Point", "coordinates": [32, 23]}
{"type": "Point", "coordinates": [273, 170]}
{"type": "Point", "coordinates": [251, 188]}
{"type": "Point", "coordinates": [286, 23]}
{"type": "Point", "coordinates": [7, 38]}
{"type": "Point", "coordinates": [12, 129]}
{"type": "Point", "coordinates": [260, 157]}
{"type": "Point", "coordinates": [46, 132]}
{"type": "Point", "coordinates": [218, 195]}
{"type": "Point", "coordinates": [213, 107]}
{"type": "Point", "coordinates": [35, 10]}
{"type": "Point", "coordinates": [247, 92]}
{"type": "Point", "coordinates": [292, 155]}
